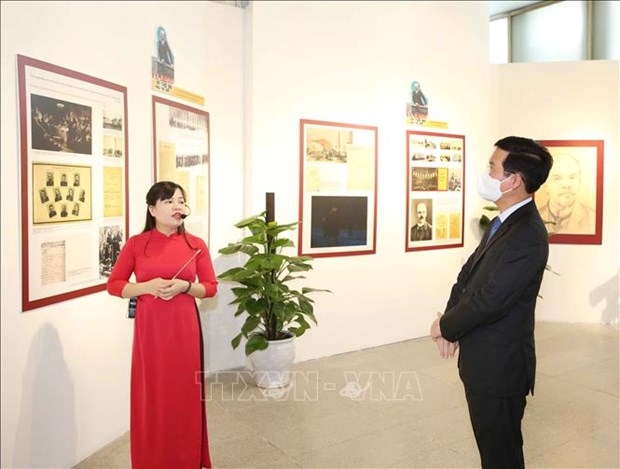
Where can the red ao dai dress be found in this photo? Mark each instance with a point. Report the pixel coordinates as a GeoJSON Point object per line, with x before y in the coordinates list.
{"type": "Point", "coordinates": [168, 427]}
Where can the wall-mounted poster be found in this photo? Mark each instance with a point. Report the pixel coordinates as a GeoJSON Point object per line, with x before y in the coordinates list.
{"type": "Point", "coordinates": [417, 108]}
{"type": "Point", "coordinates": [338, 189]}
{"type": "Point", "coordinates": [73, 141]}
{"type": "Point", "coordinates": [435, 200]}
{"type": "Point", "coordinates": [181, 152]}
{"type": "Point", "coordinates": [571, 200]}
{"type": "Point", "coordinates": [162, 65]}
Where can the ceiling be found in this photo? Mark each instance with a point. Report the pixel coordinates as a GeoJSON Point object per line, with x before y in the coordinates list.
{"type": "Point", "coordinates": [498, 7]}
{"type": "Point", "coordinates": [495, 7]}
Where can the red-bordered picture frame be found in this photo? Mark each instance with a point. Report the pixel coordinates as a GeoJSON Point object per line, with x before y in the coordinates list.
{"type": "Point", "coordinates": [181, 153]}
{"type": "Point", "coordinates": [571, 200]}
{"type": "Point", "coordinates": [73, 130]}
{"type": "Point", "coordinates": [337, 189]}
{"type": "Point", "coordinates": [435, 168]}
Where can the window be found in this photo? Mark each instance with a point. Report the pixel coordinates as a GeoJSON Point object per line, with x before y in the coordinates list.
{"type": "Point", "coordinates": [551, 31]}
{"type": "Point", "coordinates": [498, 43]}
{"type": "Point", "coordinates": [554, 33]}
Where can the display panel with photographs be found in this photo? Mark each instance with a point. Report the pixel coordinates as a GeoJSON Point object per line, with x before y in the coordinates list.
{"type": "Point", "coordinates": [435, 188]}
{"type": "Point", "coordinates": [73, 142]}
{"type": "Point", "coordinates": [338, 189]}
{"type": "Point", "coordinates": [181, 143]}
{"type": "Point", "coordinates": [63, 193]}
{"type": "Point", "coordinates": [571, 200]}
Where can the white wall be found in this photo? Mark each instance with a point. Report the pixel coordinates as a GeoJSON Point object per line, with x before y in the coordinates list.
{"type": "Point", "coordinates": [571, 101]}
{"type": "Point", "coordinates": [65, 367]}
{"type": "Point", "coordinates": [352, 62]}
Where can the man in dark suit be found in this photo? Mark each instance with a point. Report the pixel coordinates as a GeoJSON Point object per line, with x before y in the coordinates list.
{"type": "Point", "coordinates": [490, 312]}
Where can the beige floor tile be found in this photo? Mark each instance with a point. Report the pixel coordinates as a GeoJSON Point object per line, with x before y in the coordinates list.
{"type": "Point", "coordinates": [468, 450]}
{"type": "Point", "coordinates": [564, 362]}
{"type": "Point", "coordinates": [380, 449]}
{"type": "Point", "coordinates": [115, 455]}
{"type": "Point", "coordinates": [301, 435]}
{"type": "Point", "coordinates": [583, 452]}
{"type": "Point", "coordinates": [608, 434]}
{"type": "Point", "coordinates": [249, 453]}
{"type": "Point", "coordinates": [601, 376]}
{"type": "Point", "coordinates": [439, 458]}
{"type": "Point", "coordinates": [400, 405]}
{"type": "Point", "coordinates": [222, 427]}
{"type": "Point", "coordinates": [398, 446]}
{"type": "Point", "coordinates": [597, 339]}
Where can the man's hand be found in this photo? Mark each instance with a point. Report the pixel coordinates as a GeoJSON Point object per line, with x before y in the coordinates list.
{"type": "Point", "coordinates": [446, 349]}
{"type": "Point", "coordinates": [435, 329]}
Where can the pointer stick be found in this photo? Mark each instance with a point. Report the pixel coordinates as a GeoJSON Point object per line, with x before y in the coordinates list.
{"type": "Point", "coordinates": [184, 265]}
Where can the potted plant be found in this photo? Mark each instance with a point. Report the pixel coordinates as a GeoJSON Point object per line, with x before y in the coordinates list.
{"type": "Point", "coordinates": [275, 313]}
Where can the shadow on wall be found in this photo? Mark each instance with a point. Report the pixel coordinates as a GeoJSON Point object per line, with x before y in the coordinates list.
{"type": "Point", "coordinates": [608, 292]}
{"type": "Point", "coordinates": [46, 428]}
{"type": "Point", "coordinates": [219, 325]}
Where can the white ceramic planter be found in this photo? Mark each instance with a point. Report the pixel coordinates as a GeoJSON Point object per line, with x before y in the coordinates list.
{"type": "Point", "coordinates": [271, 367]}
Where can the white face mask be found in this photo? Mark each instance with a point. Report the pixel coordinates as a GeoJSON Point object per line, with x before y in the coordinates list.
{"type": "Point", "coordinates": [489, 188]}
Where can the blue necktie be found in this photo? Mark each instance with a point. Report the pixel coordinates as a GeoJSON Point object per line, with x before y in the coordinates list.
{"type": "Point", "coordinates": [495, 224]}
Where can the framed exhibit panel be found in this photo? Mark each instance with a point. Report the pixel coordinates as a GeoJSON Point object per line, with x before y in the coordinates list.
{"type": "Point", "coordinates": [435, 190]}
{"type": "Point", "coordinates": [338, 189]}
{"type": "Point", "coordinates": [74, 204]}
{"type": "Point", "coordinates": [571, 200]}
{"type": "Point", "coordinates": [181, 154]}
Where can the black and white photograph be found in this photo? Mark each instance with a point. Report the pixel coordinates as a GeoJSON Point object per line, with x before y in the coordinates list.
{"type": "Point", "coordinates": [112, 118]}
{"type": "Point", "coordinates": [422, 217]}
{"type": "Point", "coordinates": [60, 126]}
{"type": "Point", "coordinates": [113, 146]}
{"type": "Point", "coordinates": [51, 211]}
{"type": "Point", "coordinates": [43, 196]}
{"type": "Point", "coordinates": [328, 144]}
{"type": "Point", "coordinates": [110, 241]}
{"type": "Point", "coordinates": [455, 179]}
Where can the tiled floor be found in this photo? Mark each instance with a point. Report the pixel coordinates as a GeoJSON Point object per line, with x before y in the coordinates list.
{"type": "Point", "coordinates": [400, 405]}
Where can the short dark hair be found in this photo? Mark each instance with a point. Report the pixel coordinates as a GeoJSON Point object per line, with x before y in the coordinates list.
{"type": "Point", "coordinates": [527, 158]}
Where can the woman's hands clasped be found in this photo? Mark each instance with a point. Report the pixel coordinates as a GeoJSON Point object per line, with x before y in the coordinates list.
{"type": "Point", "coordinates": [166, 289]}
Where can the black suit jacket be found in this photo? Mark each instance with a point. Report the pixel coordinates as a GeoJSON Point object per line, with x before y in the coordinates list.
{"type": "Point", "coordinates": [491, 307]}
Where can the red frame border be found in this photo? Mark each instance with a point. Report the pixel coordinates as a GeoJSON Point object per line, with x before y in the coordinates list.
{"type": "Point", "coordinates": [22, 63]}
{"type": "Point", "coordinates": [408, 192]}
{"type": "Point", "coordinates": [302, 124]}
{"type": "Point", "coordinates": [167, 102]}
{"type": "Point", "coordinates": [597, 237]}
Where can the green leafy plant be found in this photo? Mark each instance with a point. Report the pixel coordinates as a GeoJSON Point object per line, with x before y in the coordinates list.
{"type": "Point", "coordinates": [273, 309]}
